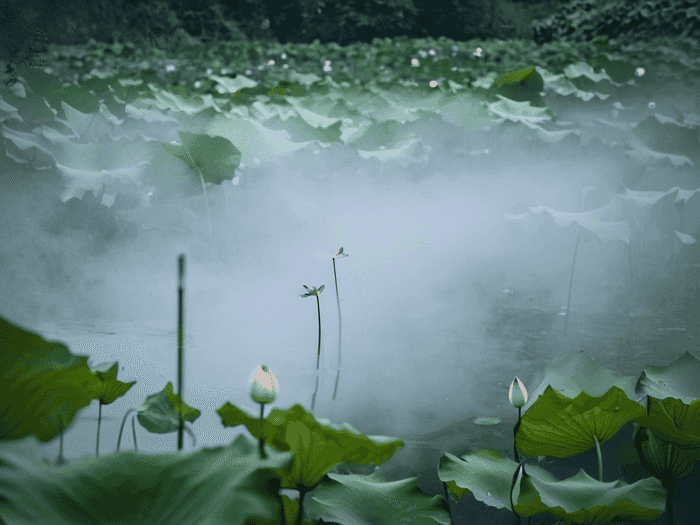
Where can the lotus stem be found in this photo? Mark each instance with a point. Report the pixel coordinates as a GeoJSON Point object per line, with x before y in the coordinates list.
{"type": "Point", "coordinates": [133, 430]}
{"type": "Point", "coordinates": [340, 331]}
{"type": "Point", "coordinates": [571, 281]}
{"type": "Point", "coordinates": [121, 428]}
{"type": "Point", "coordinates": [313, 397]}
{"type": "Point", "coordinates": [180, 342]}
{"type": "Point", "coordinates": [261, 439]}
{"type": "Point", "coordinates": [206, 203]}
{"type": "Point", "coordinates": [61, 459]}
{"type": "Point", "coordinates": [318, 355]}
{"type": "Point", "coordinates": [339, 253]}
{"type": "Point", "coordinates": [99, 423]}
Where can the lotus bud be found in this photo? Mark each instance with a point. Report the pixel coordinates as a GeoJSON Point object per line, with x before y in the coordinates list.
{"type": "Point", "coordinates": [518, 395]}
{"type": "Point", "coordinates": [263, 385]}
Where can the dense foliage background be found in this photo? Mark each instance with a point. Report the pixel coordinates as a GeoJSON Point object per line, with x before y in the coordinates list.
{"type": "Point", "coordinates": [285, 21]}
{"type": "Point", "coordinates": [27, 27]}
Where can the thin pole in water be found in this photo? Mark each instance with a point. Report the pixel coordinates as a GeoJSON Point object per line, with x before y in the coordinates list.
{"type": "Point", "coordinates": [180, 343]}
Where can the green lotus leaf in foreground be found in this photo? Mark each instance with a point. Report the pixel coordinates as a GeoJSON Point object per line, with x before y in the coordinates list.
{"type": "Point", "coordinates": [42, 384]}
{"type": "Point", "coordinates": [217, 486]}
{"type": "Point", "coordinates": [373, 500]}
{"type": "Point", "coordinates": [666, 461]}
{"type": "Point", "coordinates": [159, 412]}
{"type": "Point", "coordinates": [317, 445]}
{"type": "Point", "coordinates": [110, 388]}
{"type": "Point", "coordinates": [674, 421]}
{"type": "Point", "coordinates": [556, 425]}
{"type": "Point", "coordinates": [488, 474]}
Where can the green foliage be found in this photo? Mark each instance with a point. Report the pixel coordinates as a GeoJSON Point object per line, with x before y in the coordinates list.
{"type": "Point", "coordinates": [303, 21]}
{"type": "Point", "coordinates": [21, 40]}
{"type": "Point", "coordinates": [582, 20]}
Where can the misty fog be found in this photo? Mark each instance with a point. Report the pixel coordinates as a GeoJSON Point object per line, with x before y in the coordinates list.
{"type": "Point", "coordinates": [425, 254]}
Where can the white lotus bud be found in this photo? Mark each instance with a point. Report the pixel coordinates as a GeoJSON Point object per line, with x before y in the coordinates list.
{"type": "Point", "coordinates": [263, 385]}
{"type": "Point", "coordinates": [518, 395]}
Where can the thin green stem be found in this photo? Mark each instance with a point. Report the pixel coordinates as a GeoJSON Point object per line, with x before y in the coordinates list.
{"type": "Point", "coordinates": [300, 515]}
{"type": "Point", "coordinates": [121, 429]}
{"type": "Point", "coordinates": [313, 397]}
{"type": "Point", "coordinates": [61, 459]}
{"type": "Point", "coordinates": [180, 345]}
{"type": "Point", "coordinates": [261, 439]}
{"type": "Point", "coordinates": [515, 445]}
{"type": "Point", "coordinates": [340, 332]}
{"type": "Point", "coordinates": [600, 460]}
{"type": "Point", "coordinates": [206, 203]}
{"type": "Point", "coordinates": [99, 424]}
{"type": "Point", "coordinates": [340, 321]}
{"type": "Point", "coordinates": [133, 430]}
{"type": "Point", "coordinates": [318, 306]}
{"type": "Point", "coordinates": [571, 281]}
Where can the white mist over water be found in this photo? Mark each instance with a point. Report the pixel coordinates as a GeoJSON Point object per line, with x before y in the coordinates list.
{"type": "Point", "coordinates": [412, 350]}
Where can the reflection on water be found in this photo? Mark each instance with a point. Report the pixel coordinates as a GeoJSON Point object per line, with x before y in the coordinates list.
{"type": "Point", "coordinates": [427, 399]}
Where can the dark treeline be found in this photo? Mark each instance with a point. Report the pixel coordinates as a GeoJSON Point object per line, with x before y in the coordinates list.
{"type": "Point", "coordinates": [300, 21]}
{"type": "Point", "coordinates": [27, 27]}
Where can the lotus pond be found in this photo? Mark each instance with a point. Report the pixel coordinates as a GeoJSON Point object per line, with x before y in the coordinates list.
{"type": "Point", "coordinates": [529, 223]}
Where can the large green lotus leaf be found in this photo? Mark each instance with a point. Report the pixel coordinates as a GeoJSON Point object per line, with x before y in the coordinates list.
{"type": "Point", "coordinates": [159, 412]}
{"type": "Point", "coordinates": [371, 500]}
{"type": "Point", "coordinates": [42, 384]}
{"type": "Point", "coordinates": [659, 208]}
{"type": "Point", "coordinates": [32, 108]}
{"type": "Point", "coordinates": [518, 111]}
{"type": "Point", "coordinates": [514, 77]}
{"type": "Point", "coordinates": [523, 85]}
{"type": "Point", "coordinates": [668, 135]}
{"type": "Point", "coordinates": [584, 500]}
{"type": "Point", "coordinates": [218, 486]}
{"type": "Point", "coordinates": [604, 230]}
{"type": "Point", "coordinates": [674, 421]}
{"type": "Point", "coordinates": [467, 110]}
{"type": "Point", "coordinates": [405, 152]}
{"type": "Point", "coordinates": [620, 71]}
{"type": "Point", "coordinates": [556, 425]}
{"type": "Point", "coordinates": [551, 136]}
{"type": "Point", "coordinates": [314, 125]}
{"type": "Point", "coordinates": [575, 372]}
{"type": "Point", "coordinates": [110, 388]}
{"type": "Point", "coordinates": [318, 445]}
{"type": "Point", "coordinates": [488, 475]}
{"type": "Point", "coordinates": [216, 158]}
{"type": "Point", "coordinates": [643, 155]}
{"type": "Point", "coordinates": [254, 140]}
{"type": "Point", "coordinates": [666, 461]}
{"type": "Point", "coordinates": [583, 70]}
{"type": "Point", "coordinates": [190, 105]}
{"type": "Point", "coordinates": [680, 379]}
